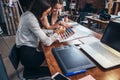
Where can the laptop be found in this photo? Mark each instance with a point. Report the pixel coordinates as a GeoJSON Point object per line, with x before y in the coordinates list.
{"type": "Point", "coordinates": [3, 72]}
{"type": "Point", "coordinates": [106, 51]}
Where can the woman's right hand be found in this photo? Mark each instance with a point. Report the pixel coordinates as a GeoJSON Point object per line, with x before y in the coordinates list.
{"type": "Point", "coordinates": [60, 30]}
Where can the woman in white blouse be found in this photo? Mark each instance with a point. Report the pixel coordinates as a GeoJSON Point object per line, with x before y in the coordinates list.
{"type": "Point", "coordinates": [29, 35]}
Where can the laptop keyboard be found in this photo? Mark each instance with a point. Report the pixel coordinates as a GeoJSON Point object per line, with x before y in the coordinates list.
{"type": "Point", "coordinates": [97, 46]}
{"type": "Point", "coordinates": [101, 55]}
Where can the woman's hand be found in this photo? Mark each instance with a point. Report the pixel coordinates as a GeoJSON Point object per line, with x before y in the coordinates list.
{"type": "Point", "coordinates": [60, 30]}
{"type": "Point", "coordinates": [62, 23]}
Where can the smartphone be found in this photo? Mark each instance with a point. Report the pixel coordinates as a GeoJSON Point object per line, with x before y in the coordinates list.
{"type": "Point", "coordinates": [59, 76]}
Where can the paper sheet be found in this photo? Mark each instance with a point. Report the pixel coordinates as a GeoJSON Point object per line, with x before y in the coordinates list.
{"type": "Point", "coordinates": [79, 32]}
{"type": "Point", "coordinates": [89, 77]}
{"type": "Point", "coordinates": [89, 40]}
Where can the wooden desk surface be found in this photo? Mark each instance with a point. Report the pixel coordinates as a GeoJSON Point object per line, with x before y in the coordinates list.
{"type": "Point", "coordinates": [98, 73]}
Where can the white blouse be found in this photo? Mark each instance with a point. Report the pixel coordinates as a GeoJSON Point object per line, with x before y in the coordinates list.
{"type": "Point", "coordinates": [30, 33]}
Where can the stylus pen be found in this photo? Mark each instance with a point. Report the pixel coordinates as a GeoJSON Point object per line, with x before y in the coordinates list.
{"type": "Point", "coordinates": [75, 72]}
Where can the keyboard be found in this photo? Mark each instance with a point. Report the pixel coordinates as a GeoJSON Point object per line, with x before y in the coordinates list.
{"type": "Point", "coordinates": [101, 55]}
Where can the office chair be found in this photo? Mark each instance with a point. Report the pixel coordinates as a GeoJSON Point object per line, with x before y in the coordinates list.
{"type": "Point", "coordinates": [14, 58]}
{"type": "Point", "coordinates": [3, 73]}
{"type": "Point", "coordinates": [82, 18]}
{"type": "Point", "coordinates": [28, 73]}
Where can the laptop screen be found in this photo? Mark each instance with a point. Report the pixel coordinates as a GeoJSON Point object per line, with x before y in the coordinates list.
{"type": "Point", "coordinates": [111, 36]}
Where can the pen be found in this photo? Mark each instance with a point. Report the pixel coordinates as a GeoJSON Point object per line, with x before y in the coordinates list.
{"type": "Point", "coordinates": [75, 72]}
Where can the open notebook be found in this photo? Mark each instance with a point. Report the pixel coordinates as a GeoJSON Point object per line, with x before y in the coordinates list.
{"type": "Point", "coordinates": [107, 50]}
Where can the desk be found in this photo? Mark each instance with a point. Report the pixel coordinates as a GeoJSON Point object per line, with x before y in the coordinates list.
{"type": "Point", "coordinates": [96, 20]}
{"type": "Point", "coordinates": [98, 73]}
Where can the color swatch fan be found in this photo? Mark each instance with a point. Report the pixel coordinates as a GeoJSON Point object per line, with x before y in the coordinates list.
{"type": "Point", "coordinates": [68, 32]}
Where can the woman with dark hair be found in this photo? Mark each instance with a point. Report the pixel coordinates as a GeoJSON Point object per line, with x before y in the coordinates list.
{"type": "Point", "coordinates": [39, 7]}
{"type": "Point", "coordinates": [53, 20]}
{"type": "Point", "coordinates": [29, 34]}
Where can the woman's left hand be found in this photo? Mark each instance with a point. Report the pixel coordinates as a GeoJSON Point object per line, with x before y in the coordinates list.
{"type": "Point", "coordinates": [62, 23]}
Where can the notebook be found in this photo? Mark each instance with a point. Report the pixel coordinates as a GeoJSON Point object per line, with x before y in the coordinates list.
{"type": "Point", "coordinates": [107, 50]}
{"type": "Point", "coordinates": [71, 60]}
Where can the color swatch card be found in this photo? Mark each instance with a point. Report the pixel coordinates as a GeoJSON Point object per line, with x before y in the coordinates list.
{"type": "Point", "coordinates": [68, 33]}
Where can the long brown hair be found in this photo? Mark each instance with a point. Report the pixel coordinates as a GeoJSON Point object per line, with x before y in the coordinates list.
{"type": "Point", "coordinates": [39, 6]}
